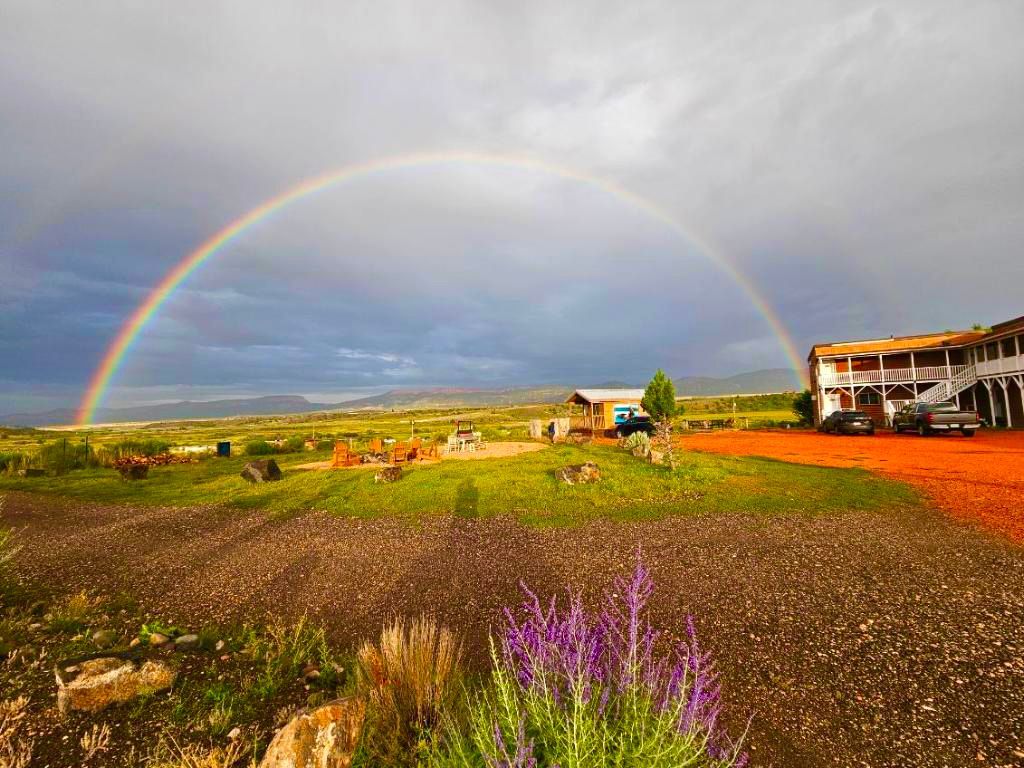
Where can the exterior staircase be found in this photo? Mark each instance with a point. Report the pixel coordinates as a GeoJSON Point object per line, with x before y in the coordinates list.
{"type": "Point", "coordinates": [945, 390]}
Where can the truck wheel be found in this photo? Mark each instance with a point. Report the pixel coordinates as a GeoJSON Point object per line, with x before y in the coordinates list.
{"type": "Point", "coordinates": [897, 428]}
{"type": "Point", "coordinates": [922, 430]}
{"type": "Point", "coordinates": [618, 434]}
{"type": "Point", "coordinates": [968, 432]}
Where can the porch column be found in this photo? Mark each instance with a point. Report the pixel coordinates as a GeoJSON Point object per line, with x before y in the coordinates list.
{"type": "Point", "coordinates": [849, 370]}
{"type": "Point", "coordinates": [885, 392]}
{"type": "Point", "coordinates": [991, 401]}
{"type": "Point", "coordinates": [1006, 401]}
{"type": "Point", "coordinates": [913, 372]}
{"type": "Point", "coordinates": [949, 375]}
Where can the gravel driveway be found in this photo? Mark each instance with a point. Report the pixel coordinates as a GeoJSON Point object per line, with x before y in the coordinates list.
{"type": "Point", "coordinates": [867, 639]}
{"type": "Point", "coordinates": [980, 479]}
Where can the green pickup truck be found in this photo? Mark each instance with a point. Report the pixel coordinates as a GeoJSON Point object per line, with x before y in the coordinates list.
{"type": "Point", "coordinates": [931, 418]}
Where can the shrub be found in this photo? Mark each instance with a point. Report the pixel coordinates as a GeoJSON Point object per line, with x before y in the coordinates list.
{"type": "Point", "coordinates": [7, 547]}
{"type": "Point", "coordinates": [283, 652]}
{"type": "Point", "coordinates": [63, 455]}
{"type": "Point", "coordinates": [803, 407]}
{"type": "Point", "coordinates": [171, 754]}
{"type": "Point", "coordinates": [571, 688]}
{"type": "Point", "coordinates": [259, 448]}
{"type": "Point", "coordinates": [411, 680]}
{"type": "Point", "coordinates": [660, 397]}
{"type": "Point", "coordinates": [638, 442]}
{"type": "Point", "coordinates": [12, 461]}
{"type": "Point", "coordinates": [108, 454]}
{"type": "Point", "coordinates": [294, 445]}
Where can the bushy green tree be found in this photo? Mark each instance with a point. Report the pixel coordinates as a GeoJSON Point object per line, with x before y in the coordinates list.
{"type": "Point", "coordinates": [803, 407]}
{"type": "Point", "coordinates": [660, 397]}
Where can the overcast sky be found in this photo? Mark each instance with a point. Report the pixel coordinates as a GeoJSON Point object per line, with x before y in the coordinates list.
{"type": "Point", "coordinates": [862, 164]}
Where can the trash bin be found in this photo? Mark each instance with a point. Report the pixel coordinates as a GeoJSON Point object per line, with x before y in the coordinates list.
{"type": "Point", "coordinates": [224, 449]}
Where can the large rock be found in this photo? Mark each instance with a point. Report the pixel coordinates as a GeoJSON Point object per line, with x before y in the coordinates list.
{"type": "Point", "coordinates": [90, 684]}
{"type": "Point", "coordinates": [325, 737]}
{"type": "Point", "coordinates": [261, 471]}
{"type": "Point", "coordinates": [134, 472]}
{"type": "Point", "coordinates": [577, 474]}
{"type": "Point", "coordinates": [388, 475]}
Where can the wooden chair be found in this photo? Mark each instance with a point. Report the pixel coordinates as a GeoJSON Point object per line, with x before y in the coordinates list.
{"type": "Point", "coordinates": [399, 454]}
{"type": "Point", "coordinates": [376, 445]}
{"type": "Point", "coordinates": [343, 457]}
{"type": "Point", "coordinates": [415, 447]}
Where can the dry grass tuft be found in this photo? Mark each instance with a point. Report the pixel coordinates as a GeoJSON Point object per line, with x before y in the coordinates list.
{"type": "Point", "coordinates": [170, 754]}
{"type": "Point", "coordinates": [15, 751]}
{"type": "Point", "coordinates": [412, 681]}
{"type": "Point", "coordinates": [95, 740]}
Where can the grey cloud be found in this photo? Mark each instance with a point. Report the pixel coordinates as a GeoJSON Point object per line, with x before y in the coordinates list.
{"type": "Point", "coordinates": [830, 151]}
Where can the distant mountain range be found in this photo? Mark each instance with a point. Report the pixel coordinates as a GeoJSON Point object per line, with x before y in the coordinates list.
{"type": "Point", "coordinates": [754, 382]}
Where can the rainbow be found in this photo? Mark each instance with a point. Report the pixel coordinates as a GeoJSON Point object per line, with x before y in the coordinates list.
{"type": "Point", "coordinates": [129, 332]}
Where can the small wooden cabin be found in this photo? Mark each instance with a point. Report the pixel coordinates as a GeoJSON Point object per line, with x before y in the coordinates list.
{"type": "Point", "coordinates": [602, 409]}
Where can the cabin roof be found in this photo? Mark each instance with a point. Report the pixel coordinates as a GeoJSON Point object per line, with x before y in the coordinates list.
{"type": "Point", "coordinates": [606, 395]}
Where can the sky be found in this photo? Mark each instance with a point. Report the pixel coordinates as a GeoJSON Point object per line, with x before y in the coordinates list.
{"type": "Point", "coordinates": [860, 165]}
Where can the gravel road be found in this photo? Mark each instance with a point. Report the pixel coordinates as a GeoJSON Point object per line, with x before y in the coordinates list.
{"type": "Point", "coordinates": [892, 639]}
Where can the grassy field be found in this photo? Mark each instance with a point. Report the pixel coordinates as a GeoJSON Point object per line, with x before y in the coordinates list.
{"type": "Point", "coordinates": [524, 486]}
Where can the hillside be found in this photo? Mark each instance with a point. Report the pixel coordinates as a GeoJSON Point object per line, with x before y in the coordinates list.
{"type": "Point", "coordinates": [753, 382]}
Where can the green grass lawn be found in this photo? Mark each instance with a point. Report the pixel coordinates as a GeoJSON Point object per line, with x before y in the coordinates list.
{"type": "Point", "coordinates": [523, 486]}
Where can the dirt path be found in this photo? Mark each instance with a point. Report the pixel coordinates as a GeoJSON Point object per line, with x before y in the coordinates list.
{"type": "Point", "coordinates": [857, 640]}
{"type": "Point", "coordinates": [980, 479]}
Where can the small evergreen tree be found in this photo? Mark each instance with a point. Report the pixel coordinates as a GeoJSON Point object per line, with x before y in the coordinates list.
{"type": "Point", "coordinates": [803, 407]}
{"type": "Point", "coordinates": [660, 397]}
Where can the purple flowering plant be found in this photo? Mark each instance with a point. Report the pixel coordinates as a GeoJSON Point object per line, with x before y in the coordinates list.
{"type": "Point", "coordinates": [581, 689]}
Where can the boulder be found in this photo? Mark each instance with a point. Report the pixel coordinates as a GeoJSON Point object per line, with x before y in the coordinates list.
{"type": "Point", "coordinates": [104, 638]}
{"type": "Point", "coordinates": [261, 471]}
{"type": "Point", "coordinates": [388, 475]}
{"type": "Point", "coordinates": [577, 474]}
{"type": "Point", "coordinates": [187, 642]}
{"type": "Point", "coordinates": [131, 472]}
{"type": "Point", "coordinates": [656, 457]}
{"type": "Point", "coordinates": [324, 737]}
{"type": "Point", "coordinates": [92, 683]}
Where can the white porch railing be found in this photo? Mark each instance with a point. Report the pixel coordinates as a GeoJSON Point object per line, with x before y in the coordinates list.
{"type": "Point", "coordinates": [893, 375]}
{"type": "Point", "coordinates": [945, 390]}
{"type": "Point", "coordinates": [1012, 364]}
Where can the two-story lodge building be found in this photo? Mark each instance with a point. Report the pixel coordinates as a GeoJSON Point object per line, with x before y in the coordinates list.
{"type": "Point", "coordinates": [979, 370]}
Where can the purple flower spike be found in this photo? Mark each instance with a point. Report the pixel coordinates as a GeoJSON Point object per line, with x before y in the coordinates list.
{"type": "Point", "coordinates": [575, 659]}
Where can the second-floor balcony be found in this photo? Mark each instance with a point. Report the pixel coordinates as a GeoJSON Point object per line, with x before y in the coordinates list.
{"type": "Point", "coordinates": [891, 375]}
{"type": "Point", "coordinates": [1010, 364]}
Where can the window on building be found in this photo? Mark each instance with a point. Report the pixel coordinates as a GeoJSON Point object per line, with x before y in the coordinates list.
{"type": "Point", "coordinates": [869, 398]}
{"type": "Point", "coordinates": [1008, 348]}
{"type": "Point", "coordinates": [992, 351]}
{"type": "Point", "coordinates": [979, 354]}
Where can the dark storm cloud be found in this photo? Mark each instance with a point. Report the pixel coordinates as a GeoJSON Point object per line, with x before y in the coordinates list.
{"type": "Point", "coordinates": [832, 151]}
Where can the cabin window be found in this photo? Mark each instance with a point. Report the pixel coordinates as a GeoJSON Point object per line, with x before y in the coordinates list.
{"type": "Point", "coordinates": [1008, 348]}
{"type": "Point", "coordinates": [869, 398]}
{"type": "Point", "coordinates": [992, 351]}
{"type": "Point", "coordinates": [979, 354]}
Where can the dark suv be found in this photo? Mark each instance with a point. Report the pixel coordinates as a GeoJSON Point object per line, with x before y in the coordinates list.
{"type": "Point", "coordinates": [848, 423]}
{"type": "Point", "coordinates": [634, 424]}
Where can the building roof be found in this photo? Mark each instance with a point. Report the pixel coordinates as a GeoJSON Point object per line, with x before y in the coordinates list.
{"type": "Point", "coordinates": [605, 395]}
{"type": "Point", "coordinates": [896, 343]}
{"type": "Point", "coordinates": [1008, 326]}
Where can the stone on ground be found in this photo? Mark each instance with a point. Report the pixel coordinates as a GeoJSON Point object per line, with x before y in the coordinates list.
{"type": "Point", "coordinates": [578, 474]}
{"type": "Point", "coordinates": [261, 471]}
{"type": "Point", "coordinates": [186, 642]}
{"type": "Point", "coordinates": [388, 475]}
{"type": "Point", "coordinates": [325, 737]}
{"type": "Point", "coordinates": [92, 684]}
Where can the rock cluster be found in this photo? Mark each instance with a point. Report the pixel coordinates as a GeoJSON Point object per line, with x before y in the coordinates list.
{"type": "Point", "coordinates": [579, 474]}
{"type": "Point", "coordinates": [388, 475]}
{"type": "Point", "coordinates": [261, 471]}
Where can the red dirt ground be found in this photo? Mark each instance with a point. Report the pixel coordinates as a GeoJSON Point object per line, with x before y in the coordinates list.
{"type": "Point", "coordinates": [980, 479]}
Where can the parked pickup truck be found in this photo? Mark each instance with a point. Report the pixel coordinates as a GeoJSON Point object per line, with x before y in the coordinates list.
{"type": "Point", "coordinates": [929, 418]}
